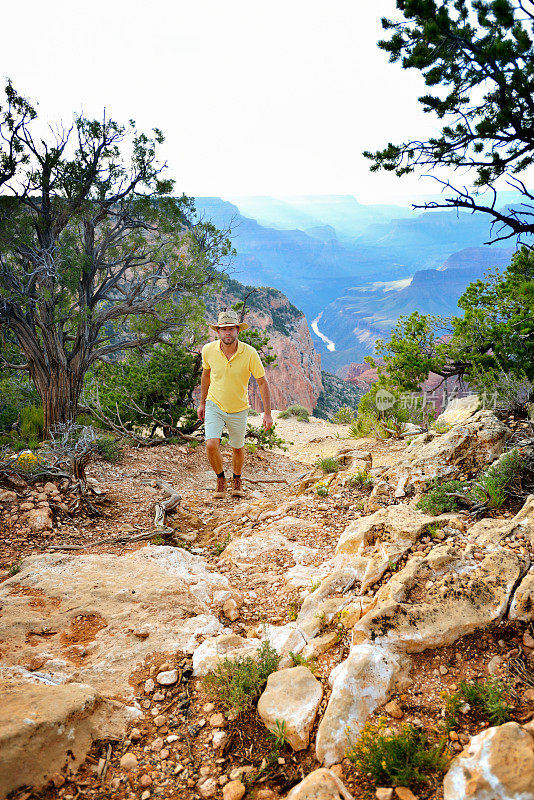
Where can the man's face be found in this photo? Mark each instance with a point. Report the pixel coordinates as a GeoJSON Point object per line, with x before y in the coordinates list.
{"type": "Point", "coordinates": [228, 334]}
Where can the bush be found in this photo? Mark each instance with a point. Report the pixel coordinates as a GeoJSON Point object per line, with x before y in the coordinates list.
{"type": "Point", "coordinates": [488, 698]}
{"type": "Point", "coordinates": [492, 486]}
{"type": "Point", "coordinates": [109, 449]}
{"type": "Point", "coordinates": [385, 410]}
{"type": "Point", "coordinates": [396, 759]}
{"type": "Point", "coordinates": [503, 391]}
{"type": "Point", "coordinates": [362, 479]}
{"type": "Point", "coordinates": [301, 413]}
{"type": "Point", "coordinates": [32, 423]}
{"type": "Point", "coordinates": [440, 497]}
{"type": "Point", "coordinates": [236, 683]}
{"type": "Point", "coordinates": [327, 464]}
{"type": "Point", "coordinates": [343, 416]}
{"type": "Point", "coordinates": [266, 440]}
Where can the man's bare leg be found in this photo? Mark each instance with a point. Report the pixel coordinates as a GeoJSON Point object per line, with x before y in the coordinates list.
{"type": "Point", "coordinates": [213, 451]}
{"type": "Point", "coordinates": [238, 457]}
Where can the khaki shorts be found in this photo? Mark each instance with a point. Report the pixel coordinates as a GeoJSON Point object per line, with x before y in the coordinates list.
{"type": "Point", "coordinates": [216, 419]}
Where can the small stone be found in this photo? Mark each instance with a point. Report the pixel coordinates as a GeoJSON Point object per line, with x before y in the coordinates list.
{"type": "Point", "coordinates": [135, 734]}
{"type": "Point", "coordinates": [115, 783]}
{"type": "Point", "coordinates": [219, 738]}
{"type": "Point", "coordinates": [157, 697]}
{"type": "Point", "coordinates": [529, 695]}
{"type": "Point", "coordinates": [207, 788]}
{"type": "Point", "coordinates": [403, 793]}
{"type": "Point", "coordinates": [383, 793]}
{"type": "Point", "coordinates": [494, 665]}
{"type": "Point", "coordinates": [167, 678]}
{"type": "Point", "coordinates": [149, 686]}
{"type": "Point", "coordinates": [237, 772]}
{"type": "Point", "coordinates": [230, 609]}
{"type": "Point", "coordinates": [172, 738]}
{"type": "Point", "coordinates": [265, 794]}
{"type": "Point", "coordinates": [443, 670]}
{"type": "Point", "coordinates": [453, 736]}
{"type": "Point", "coordinates": [129, 761]}
{"type": "Point", "coordinates": [528, 640]}
{"type": "Point", "coordinates": [164, 754]}
{"type": "Point", "coordinates": [58, 780]}
{"type": "Point", "coordinates": [145, 780]}
{"type": "Point", "coordinates": [156, 745]}
{"type": "Point", "coordinates": [145, 795]}
{"type": "Point", "coordinates": [394, 710]}
{"type": "Point", "coordinates": [160, 720]}
{"type": "Point", "coordinates": [208, 708]}
{"type": "Point", "coordinates": [234, 790]}
{"type": "Point", "coordinates": [217, 721]}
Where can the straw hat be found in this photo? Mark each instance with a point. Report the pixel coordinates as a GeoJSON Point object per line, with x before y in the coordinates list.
{"type": "Point", "coordinates": [228, 319]}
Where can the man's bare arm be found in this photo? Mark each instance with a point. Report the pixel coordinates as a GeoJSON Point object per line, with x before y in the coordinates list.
{"type": "Point", "coordinates": [263, 386]}
{"type": "Point", "coordinates": [204, 386]}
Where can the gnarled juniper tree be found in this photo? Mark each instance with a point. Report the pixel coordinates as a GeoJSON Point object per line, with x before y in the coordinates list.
{"type": "Point", "coordinates": [477, 57]}
{"type": "Point", "coordinates": [96, 256]}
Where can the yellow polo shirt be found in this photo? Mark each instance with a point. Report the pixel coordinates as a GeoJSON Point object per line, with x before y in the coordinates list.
{"type": "Point", "coordinates": [229, 377]}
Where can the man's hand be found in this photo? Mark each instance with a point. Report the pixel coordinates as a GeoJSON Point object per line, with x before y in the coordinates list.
{"type": "Point", "coordinates": [267, 422]}
{"type": "Point", "coordinates": [201, 411]}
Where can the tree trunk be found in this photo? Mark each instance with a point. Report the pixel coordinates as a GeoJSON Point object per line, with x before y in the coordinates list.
{"type": "Point", "coordinates": [59, 397]}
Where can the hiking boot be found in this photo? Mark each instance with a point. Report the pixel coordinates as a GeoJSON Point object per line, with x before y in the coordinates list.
{"type": "Point", "coordinates": [220, 491]}
{"type": "Point", "coordinates": [237, 488]}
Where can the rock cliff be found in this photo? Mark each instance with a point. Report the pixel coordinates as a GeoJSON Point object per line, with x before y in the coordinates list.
{"type": "Point", "coordinates": [296, 378]}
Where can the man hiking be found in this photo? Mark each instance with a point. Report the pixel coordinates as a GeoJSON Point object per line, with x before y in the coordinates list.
{"type": "Point", "coordinates": [227, 365]}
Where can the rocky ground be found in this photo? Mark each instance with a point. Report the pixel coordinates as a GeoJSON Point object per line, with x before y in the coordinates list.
{"type": "Point", "coordinates": [105, 637]}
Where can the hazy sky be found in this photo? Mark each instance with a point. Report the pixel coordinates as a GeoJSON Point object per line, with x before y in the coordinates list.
{"type": "Point", "coordinates": [254, 98]}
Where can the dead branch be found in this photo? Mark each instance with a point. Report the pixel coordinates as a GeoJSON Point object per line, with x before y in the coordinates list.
{"type": "Point", "coordinates": [164, 506]}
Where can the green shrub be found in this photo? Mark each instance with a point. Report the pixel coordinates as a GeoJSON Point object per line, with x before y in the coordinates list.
{"type": "Point", "coordinates": [343, 416]}
{"type": "Point", "coordinates": [361, 478]}
{"type": "Point", "coordinates": [301, 413]}
{"type": "Point", "coordinates": [301, 661]}
{"type": "Point", "coordinates": [439, 499]}
{"type": "Point", "coordinates": [15, 567]}
{"type": "Point", "coordinates": [327, 464]}
{"type": "Point", "coordinates": [236, 683]}
{"type": "Point", "coordinates": [109, 449]}
{"type": "Point", "coordinates": [406, 758]}
{"type": "Point", "coordinates": [266, 440]}
{"type": "Point", "coordinates": [487, 697]}
{"type": "Point", "coordinates": [492, 486]}
{"type": "Point", "coordinates": [32, 423]}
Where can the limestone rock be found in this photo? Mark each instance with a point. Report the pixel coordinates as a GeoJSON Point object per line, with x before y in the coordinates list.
{"type": "Point", "coordinates": [212, 650]}
{"type": "Point", "coordinates": [377, 540]}
{"type": "Point", "coordinates": [40, 519]}
{"type": "Point", "coordinates": [490, 533]}
{"type": "Point", "coordinates": [360, 684]}
{"type": "Point", "coordinates": [285, 638]}
{"type": "Point", "coordinates": [474, 443]}
{"type": "Point", "coordinates": [459, 411]}
{"type": "Point", "coordinates": [47, 727]}
{"type": "Point", "coordinates": [291, 698]}
{"type": "Point", "coordinates": [99, 601]}
{"type": "Point", "coordinates": [496, 764]}
{"type": "Point", "coordinates": [272, 539]}
{"type": "Point", "coordinates": [167, 678]}
{"type": "Point", "coordinates": [321, 784]}
{"type": "Point", "coordinates": [327, 600]}
{"type": "Point", "coordinates": [436, 599]}
{"type": "Point", "coordinates": [6, 496]}
{"type": "Point", "coordinates": [128, 761]}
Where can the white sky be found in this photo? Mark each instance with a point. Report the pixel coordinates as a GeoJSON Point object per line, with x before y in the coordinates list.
{"type": "Point", "coordinates": [254, 98]}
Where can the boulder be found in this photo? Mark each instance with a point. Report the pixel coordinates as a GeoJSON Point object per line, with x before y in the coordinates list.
{"type": "Point", "coordinates": [289, 704]}
{"type": "Point", "coordinates": [45, 728]}
{"type": "Point", "coordinates": [327, 600]}
{"type": "Point", "coordinates": [498, 764]}
{"type": "Point", "coordinates": [360, 684]}
{"type": "Point", "coordinates": [375, 541]}
{"type": "Point", "coordinates": [271, 540]}
{"type": "Point", "coordinates": [212, 650]}
{"type": "Point", "coordinates": [285, 639]}
{"type": "Point", "coordinates": [436, 599]}
{"type": "Point", "coordinates": [522, 606]}
{"type": "Point", "coordinates": [458, 411]}
{"type": "Point", "coordinates": [321, 784]}
{"type": "Point", "coordinates": [490, 533]}
{"type": "Point", "coordinates": [84, 612]}
{"type": "Point", "coordinates": [471, 445]}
